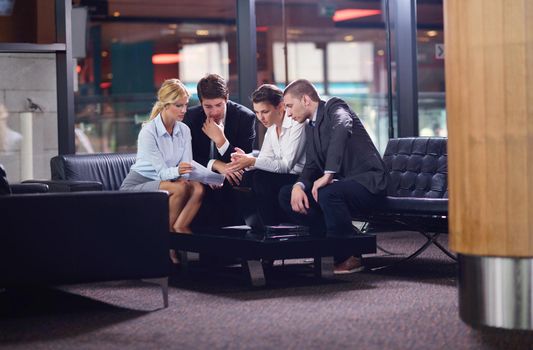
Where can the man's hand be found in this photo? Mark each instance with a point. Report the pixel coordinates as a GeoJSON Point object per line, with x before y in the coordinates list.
{"type": "Point", "coordinates": [234, 177]}
{"type": "Point", "coordinates": [299, 200]}
{"type": "Point", "coordinates": [326, 179]}
{"type": "Point", "coordinates": [184, 168]}
{"type": "Point", "coordinates": [214, 131]}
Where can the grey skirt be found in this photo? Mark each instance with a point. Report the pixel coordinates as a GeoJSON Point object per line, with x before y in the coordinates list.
{"type": "Point", "coordinates": [136, 182]}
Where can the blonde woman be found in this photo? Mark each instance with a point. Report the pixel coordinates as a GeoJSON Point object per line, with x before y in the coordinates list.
{"type": "Point", "coordinates": [164, 156]}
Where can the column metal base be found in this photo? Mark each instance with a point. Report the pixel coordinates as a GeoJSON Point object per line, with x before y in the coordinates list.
{"type": "Point", "coordinates": [496, 291]}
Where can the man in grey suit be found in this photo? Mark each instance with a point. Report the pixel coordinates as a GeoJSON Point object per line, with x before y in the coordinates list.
{"type": "Point", "coordinates": [343, 174]}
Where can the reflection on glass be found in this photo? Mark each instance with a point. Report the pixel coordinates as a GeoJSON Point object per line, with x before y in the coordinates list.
{"type": "Point", "coordinates": [28, 114]}
{"type": "Point", "coordinates": [339, 46]}
{"type": "Point", "coordinates": [23, 21]}
{"type": "Point", "coordinates": [431, 86]}
{"type": "Point", "coordinates": [132, 48]}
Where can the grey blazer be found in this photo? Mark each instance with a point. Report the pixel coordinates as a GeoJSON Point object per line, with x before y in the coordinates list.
{"type": "Point", "coordinates": [339, 142]}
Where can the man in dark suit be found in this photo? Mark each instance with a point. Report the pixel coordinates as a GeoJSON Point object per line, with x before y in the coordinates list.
{"type": "Point", "coordinates": [218, 125]}
{"type": "Point", "coordinates": [343, 174]}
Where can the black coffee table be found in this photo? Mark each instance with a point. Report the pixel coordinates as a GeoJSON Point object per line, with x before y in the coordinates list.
{"type": "Point", "coordinates": [252, 247]}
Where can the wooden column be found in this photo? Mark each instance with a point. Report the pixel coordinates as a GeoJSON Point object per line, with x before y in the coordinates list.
{"type": "Point", "coordinates": [489, 97]}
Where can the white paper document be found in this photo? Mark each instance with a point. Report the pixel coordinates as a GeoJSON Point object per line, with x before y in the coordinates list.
{"type": "Point", "coordinates": [201, 174]}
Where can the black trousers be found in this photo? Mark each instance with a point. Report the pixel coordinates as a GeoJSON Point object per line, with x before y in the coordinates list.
{"type": "Point", "coordinates": [265, 187]}
{"type": "Point", "coordinates": [337, 203]}
{"type": "Point", "coordinates": [219, 208]}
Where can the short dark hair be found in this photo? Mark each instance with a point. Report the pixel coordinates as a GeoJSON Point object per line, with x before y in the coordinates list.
{"type": "Point", "coordinates": [268, 93]}
{"type": "Point", "coordinates": [301, 87]}
{"type": "Point", "coordinates": [212, 86]}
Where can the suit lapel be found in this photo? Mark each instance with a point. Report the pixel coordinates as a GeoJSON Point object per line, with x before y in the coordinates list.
{"type": "Point", "coordinates": [229, 122]}
{"type": "Point", "coordinates": [317, 142]}
{"type": "Point", "coordinates": [205, 141]}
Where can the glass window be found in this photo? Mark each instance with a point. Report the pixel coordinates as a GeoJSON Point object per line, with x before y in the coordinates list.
{"type": "Point", "coordinates": [28, 114]}
{"type": "Point", "coordinates": [430, 57]}
{"type": "Point", "coordinates": [337, 45]}
{"type": "Point", "coordinates": [133, 47]}
{"type": "Point", "coordinates": [27, 21]}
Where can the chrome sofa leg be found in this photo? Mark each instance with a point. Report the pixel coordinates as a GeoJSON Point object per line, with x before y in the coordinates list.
{"type": "Point", "coordinates": [163, 283]}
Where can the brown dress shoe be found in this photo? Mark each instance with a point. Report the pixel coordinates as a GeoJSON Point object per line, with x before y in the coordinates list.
{"type": "Point", "coordinates": [350, 265]}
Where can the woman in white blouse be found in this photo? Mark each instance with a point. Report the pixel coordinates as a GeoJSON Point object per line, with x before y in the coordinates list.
{"type": "Point", "coordinates": [282, 155]}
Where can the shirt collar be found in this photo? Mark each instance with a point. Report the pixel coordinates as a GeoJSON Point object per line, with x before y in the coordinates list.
{"type": "Point", "coordinates": [287, 122]}
{"type": "Point", "coordinates": [160, 127]}
{"type": "Point", "coordinates": [313, 118]}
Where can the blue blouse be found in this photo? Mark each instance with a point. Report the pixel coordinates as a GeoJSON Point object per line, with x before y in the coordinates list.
{"type": "Point", "coordinates": [159, 153]}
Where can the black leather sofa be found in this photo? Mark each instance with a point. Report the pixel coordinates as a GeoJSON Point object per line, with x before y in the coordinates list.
{"type": "Point", "coordinates": [417, 194]}
{"type": "Point", "coordinates": [63, 238]}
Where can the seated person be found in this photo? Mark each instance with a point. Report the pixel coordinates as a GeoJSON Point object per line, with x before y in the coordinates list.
{"type": "Point", "coordinates": [343, 173]}
{"type": "Point", "coordinates": [281, 158]}
{"type": "Point", "coordinates": [164, 156]}
{"type": "Point", "coordinates": [218, 125]}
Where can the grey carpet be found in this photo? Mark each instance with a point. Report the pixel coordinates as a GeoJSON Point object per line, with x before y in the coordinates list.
{"type": "Point", "coordinates": [413, 306]}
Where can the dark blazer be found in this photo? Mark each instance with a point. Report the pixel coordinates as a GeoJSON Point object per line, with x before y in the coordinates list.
{"type": "Point", "coordinates": [239, 128]}
{"type": "Point", "coordinates": [339, 142]}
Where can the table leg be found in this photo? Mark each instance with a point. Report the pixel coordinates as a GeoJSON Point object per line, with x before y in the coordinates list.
{"type": "Point", "coordinates": [324, 266]}
{"type": "Point", "coordinates": [184, 260]}
{"type": "Point", "coordinates": [255, 270]}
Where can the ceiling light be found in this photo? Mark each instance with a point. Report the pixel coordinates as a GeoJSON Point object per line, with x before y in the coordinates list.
{"type": "Point", "coordinates": [347, 14]}
{"type": "Point", "coordinates": [166, 58]}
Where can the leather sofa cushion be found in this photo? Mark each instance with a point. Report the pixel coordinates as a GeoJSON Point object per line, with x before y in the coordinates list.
{"type": "Point", "coordinates": [417, 206]}
{"type": "Point", "coordinates": [417, 167]}
{"type": "Point", "coordinates": [109, 169]}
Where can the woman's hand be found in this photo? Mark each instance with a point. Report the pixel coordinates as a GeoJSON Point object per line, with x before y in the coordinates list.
{"type": "Point", "coordinates": [184, 168]}
{"type": "Point", "coordinates": [240, 161]}
{"type": "Point", "coordinates": [237, 153]}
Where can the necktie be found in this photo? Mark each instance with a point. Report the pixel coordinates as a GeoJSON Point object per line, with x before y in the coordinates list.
{"type": "Point", "coordinates": [212, 150]}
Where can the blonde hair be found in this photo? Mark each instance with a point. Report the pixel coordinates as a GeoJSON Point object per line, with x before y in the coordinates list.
{"type": "Point", "coordinates": [170, 91]}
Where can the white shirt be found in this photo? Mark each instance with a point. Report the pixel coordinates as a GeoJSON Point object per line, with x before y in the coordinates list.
{"type": "Point", "coordinates": [284, 154]}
